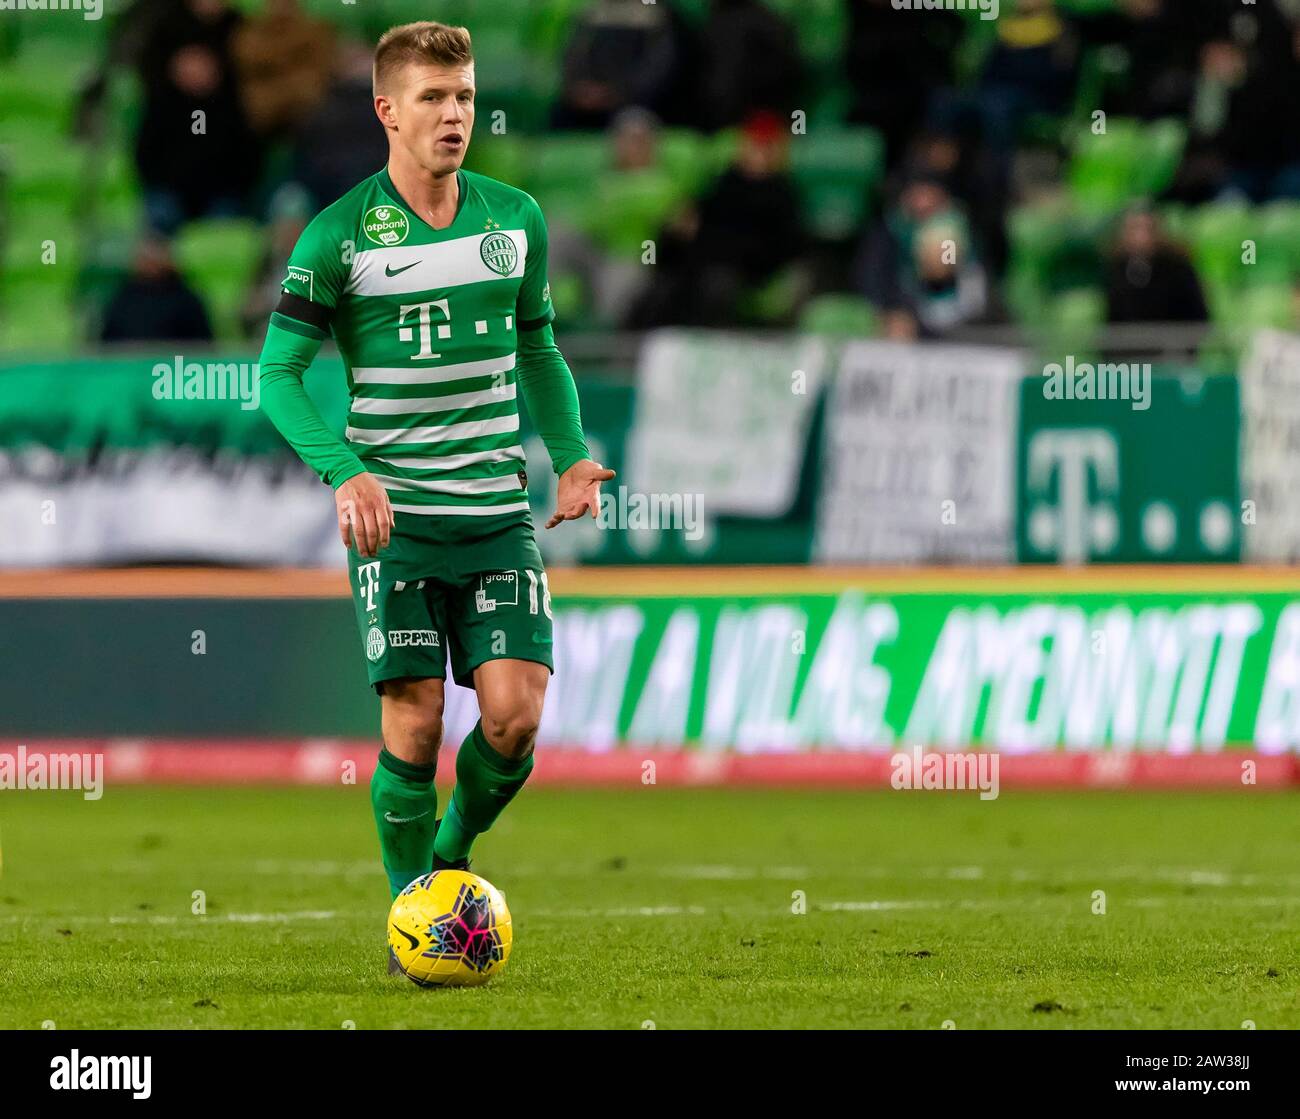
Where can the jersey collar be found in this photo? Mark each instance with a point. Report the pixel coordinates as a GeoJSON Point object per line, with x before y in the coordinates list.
{"type": "Point", "coordinates": [386, 185]}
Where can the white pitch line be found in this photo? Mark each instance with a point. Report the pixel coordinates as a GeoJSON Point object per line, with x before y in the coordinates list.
{"type": "Point", "coordinates": [173, 919]}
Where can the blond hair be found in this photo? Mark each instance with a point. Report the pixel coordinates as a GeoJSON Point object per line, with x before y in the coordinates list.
{"type": "Point", "coordinates": [436, 43]}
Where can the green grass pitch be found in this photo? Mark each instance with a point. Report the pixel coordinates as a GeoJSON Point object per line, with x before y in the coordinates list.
{"type": "Point", "coordinates": [665, 906]}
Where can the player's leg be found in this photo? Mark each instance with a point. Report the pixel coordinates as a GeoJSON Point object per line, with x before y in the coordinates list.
{"type": "Point", "coordinates": [402, 793]}
{"type": "Point", "coordinates": [402, 627]}
{"type": "Point", "coordinates": [496, 757]}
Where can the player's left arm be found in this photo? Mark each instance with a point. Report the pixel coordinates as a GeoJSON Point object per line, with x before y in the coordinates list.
{"type": "Point", "coordinates": [549, 391]}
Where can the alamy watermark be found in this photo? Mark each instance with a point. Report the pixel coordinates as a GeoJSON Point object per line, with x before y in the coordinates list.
{"type": "Point", "coordinates": [89, 9]}
{"type": "Point", "coordinates": [38, 770]}
{"type": "Point", "coordinates": [645, 511]}
{"type": "Point", "coordinates": [84, 1072]}
{"type": "Point", "coordinates": [988, 9]}
{"type": "Point", "coordinates": [1083, 380]}
{"type": "Point", "coordinates": [213, 380]}
{"type": "Point", "coordinates": [916, 769]}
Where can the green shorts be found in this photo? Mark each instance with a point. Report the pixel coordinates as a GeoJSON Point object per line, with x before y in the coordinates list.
{"type": "Point", "coordinates": [474, 585]}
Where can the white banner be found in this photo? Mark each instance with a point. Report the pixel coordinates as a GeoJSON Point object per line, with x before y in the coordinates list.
{"type": "Point", "coordinates": [725, 417]}
{"type": "Point", "coordinates": [1270, 448]}
{"type": "Point", "coordinates": [919, 456]}
{"type": "Point", "coordinates": [170, 505]}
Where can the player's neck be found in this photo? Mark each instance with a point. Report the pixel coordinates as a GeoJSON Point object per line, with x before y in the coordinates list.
{"type": "Point", "coordinates": [434, 198]}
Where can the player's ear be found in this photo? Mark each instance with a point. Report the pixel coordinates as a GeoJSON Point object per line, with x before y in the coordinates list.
{"type": "Point", "coordinates": [384, 111]}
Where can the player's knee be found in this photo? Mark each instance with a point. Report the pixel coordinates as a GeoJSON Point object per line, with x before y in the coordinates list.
{"type": "Point", "coordinates": [424, 729]}
{"type": "Point", "coordinates": [513, 731]}
{"type": "Point", "coordinates": [412, 723]}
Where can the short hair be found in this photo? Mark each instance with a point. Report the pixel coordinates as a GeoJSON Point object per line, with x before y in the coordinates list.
{"type": "Point", "coordinates": [436, 43]}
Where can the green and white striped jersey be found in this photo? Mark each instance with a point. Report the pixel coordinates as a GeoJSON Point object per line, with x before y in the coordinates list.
{"type": "Point", "coordinates": [427, 321]}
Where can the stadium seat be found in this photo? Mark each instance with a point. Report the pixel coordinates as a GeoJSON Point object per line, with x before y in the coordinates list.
{"type": "Point", "coordinates": [1277, 244]}
{"type": "Point", "coordinates": [837, 172]}
{"type": "Point", "coordinates": [1218, 233]}
{"type": "Point", "coordinates": [1127, 162]}
{"type": "Point", "coordinates": [840, 315]}
{"type": "Point", "coordinates": [561, 169]}
{"type": "Point", "coordinates": [38, 319]}
{"type": "Point", "coordinates": [219, 258]}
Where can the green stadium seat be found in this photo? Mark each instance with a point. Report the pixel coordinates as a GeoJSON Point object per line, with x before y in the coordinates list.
{"type": "Point", "coordinates": [1267, 306]}
{"type": "Point", "coordinates": [629, 207]}
{"type": "Point", "coordinates": [840, 315]}
{"type": "Point", "coordinates": [837, 172]}
{"type": "Point", "coordinates": [38, 319]}
{"type": "Point", "coordinates": [1071, 322]}
{"type": "Point", "coordinates": [689, 158]}
{"type": "Point", "coordinates": [1127, 162]}
{"type": "Point", "coordinates": [220, 258]}
{"type": "Point", "coordinates": [1277, 244]}
{"type": "Point", "coordinates": [24, 252]}
{"type": "Point", "coordinates": [503, 156]}
{"type": "Point", "coordinates": [1218, 233]}
{"type": "Point", "coordinates": [561, 169]}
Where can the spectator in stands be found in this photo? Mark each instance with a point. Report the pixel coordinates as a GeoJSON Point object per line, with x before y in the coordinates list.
{"type": "Point", "coordinates": [285, 60]}
{"type": "Point", "coordinates": [629, 204]}
{"type": "Point", "coordinates": [1150, 279]}
{"type": "Point", "coordinates": [1152, 50]}
{"type": "Point", "coordinates": [154, 304]}
{"type": "Point", "coordinates": [1248, 80]}
{"type": "Point", "coordinates": [194, 150]}
{"type": "Point", "coordinates": [342, 141]}
{"type": "Point", "coordinates": [920, 265]}
{"type": "Point", "coordinates": [1259, 139]}
{"type": "Point", "coordinates": [892, 63]}
{"type": "Point", "coordinates": [736, 239]}
{"type": "Point", "coordinates": [1029, 70]}
{"type": "Point", "coordinates": [964, 169]}
{"type": "Point", "coordinates": [621, 53]}
{"type": "Point", "coordinates": [751, 62]}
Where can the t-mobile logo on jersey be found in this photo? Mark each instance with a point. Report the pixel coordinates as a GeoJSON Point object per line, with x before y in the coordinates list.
{"type": "Point", "coordinates": [425, 327]}
{"type": "Point", "coordinates": [368, 582]}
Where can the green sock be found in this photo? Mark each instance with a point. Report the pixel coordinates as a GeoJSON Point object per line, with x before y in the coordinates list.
{"type": "Point", "coordinates": [405, 804]}
{"type": "Point", "coordinates": [485, 783]}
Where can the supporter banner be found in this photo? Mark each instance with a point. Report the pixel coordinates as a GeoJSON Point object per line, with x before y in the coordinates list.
{"type": "Point", "coordinates": [1270, 438]}
{"type": "Point", "coordinates": [144, 460]}
{"type": "Point", "coordinates": [918, 458]}
{"type": "Point", "coordinates": [708, 663]}
{"type": "Point", "coordinates": [1119, 465]}
{"type": "Point", "coordinates": [725, 416]}
{"type": "Point", "coordinates": [159, 458]}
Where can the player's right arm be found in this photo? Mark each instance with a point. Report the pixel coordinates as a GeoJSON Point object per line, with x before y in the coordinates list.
{"type": "Point", "coordinates": [299, 324]}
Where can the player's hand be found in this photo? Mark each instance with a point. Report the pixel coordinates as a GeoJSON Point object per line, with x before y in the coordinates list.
{"type": "Point", "coordinates": [364, 514]}
{"type": "Point", "coordinates": [578, 491]}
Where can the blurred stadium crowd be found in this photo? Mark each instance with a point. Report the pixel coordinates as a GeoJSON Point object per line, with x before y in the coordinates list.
{"type": "Point", "coordinates": [836, 165]}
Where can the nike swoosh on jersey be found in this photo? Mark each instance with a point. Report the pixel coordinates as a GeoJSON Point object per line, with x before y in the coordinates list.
{"type": "Point", "coordinates": [404, 819]}
{"type": "Point", "coordinates": [390, 271]}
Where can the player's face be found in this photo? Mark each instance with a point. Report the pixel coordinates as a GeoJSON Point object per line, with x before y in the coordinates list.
{"type": "Point", "coordinates": [433, 108]}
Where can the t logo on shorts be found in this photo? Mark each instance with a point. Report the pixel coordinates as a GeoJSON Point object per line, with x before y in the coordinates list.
{"type": "Point", "coordinates": [500, 588]}
{"type": "Point", "coordinates": [368, 582]}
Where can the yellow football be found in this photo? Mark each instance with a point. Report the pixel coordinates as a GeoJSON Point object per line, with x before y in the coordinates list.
{"type": "Point", "coordinates": [450, 928]}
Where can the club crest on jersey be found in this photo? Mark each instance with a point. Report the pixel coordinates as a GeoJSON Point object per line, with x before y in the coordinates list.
{"type": "Point", "coordinates": [499, 253]}
{"type": "Point", "coordinates": [385, 225]}
{"type": "Point", "coordinates": [375, 643]}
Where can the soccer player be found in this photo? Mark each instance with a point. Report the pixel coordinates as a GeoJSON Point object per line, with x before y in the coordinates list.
{"type": "Point", "coordinates": [432, 281]}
